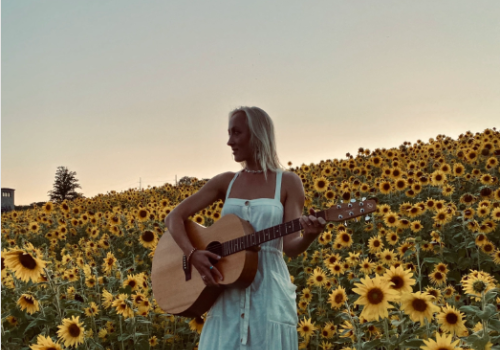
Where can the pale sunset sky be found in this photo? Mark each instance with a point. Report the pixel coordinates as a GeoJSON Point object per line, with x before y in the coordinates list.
{"type": "Point", "coordinates": [123, 90]}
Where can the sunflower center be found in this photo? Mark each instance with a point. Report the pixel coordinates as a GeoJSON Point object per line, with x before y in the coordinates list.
{"type": "Point", "coordinates": [398, 282]}
{"type": "Point", "coordinates": [339, 298]}
{"type": "Point", "coordinates": [345, 237]}
{"type": "Point", "coordinates": [419, 305]}
{"type": "Point", "coordinates": [29, 300]}
{"type": "Point", "coordinates": [74, 330]}
{"type": "Point", "coordinates": [479, 286]}
{"type": "Point", "coordinates": [438, 276]}
{"type": "Point", "coordinates": [148, 236]}
{"type": "Point", "coordinates": [375, 296]}
{"type": "Point", "coordinates": [27, 261]}
{"type": "Point", "coordinates": [451, 318]}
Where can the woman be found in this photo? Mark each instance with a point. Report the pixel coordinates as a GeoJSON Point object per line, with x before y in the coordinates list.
{"type": "Point", "coordinates": [264, 315]}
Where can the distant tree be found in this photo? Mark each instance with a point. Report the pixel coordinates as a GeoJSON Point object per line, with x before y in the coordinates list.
{"type": "Point", "coordinates": [64, 186]}
{"type": "Point", "coordinates": [186, 180]}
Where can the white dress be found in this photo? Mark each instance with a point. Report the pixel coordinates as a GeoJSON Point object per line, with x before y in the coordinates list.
{"type": "Point", "coordinates": [264, 315]}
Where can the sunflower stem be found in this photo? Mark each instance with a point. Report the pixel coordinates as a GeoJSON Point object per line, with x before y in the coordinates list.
{"type": "Point", "coordinates": [478, 260]}
{"type": "Point", "coordinates": [419, 269]}
{"type": "Point", "coordinates": [175, 331]}
{"type": "Point", "coordinates": [121, 331]}
{"type": "Point", "coordinates": [386, 331]}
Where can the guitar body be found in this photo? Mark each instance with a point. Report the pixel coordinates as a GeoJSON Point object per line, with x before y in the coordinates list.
{"type": "Point", "coordinates": [192, 298]}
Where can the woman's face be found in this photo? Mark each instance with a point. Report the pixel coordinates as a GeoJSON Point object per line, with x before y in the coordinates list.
{"type": "Point", "coordinates": [239, 138]}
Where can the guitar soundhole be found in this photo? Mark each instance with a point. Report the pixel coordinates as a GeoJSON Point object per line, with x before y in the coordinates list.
{"type": "Point", "coordinates": [216, 248]}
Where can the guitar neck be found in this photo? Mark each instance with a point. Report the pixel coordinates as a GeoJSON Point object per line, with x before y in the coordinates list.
{"type": "Point", "coordinates": [340, 212]}
{"type": "Point", "coordinates": [259, 237]}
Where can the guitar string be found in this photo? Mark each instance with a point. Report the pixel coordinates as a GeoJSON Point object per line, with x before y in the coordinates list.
{"type": "Point", "coordinates": [213, 248]}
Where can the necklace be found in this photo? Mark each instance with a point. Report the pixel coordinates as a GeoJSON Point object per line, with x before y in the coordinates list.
{"type": "Point", "coordinates": [253, 171]}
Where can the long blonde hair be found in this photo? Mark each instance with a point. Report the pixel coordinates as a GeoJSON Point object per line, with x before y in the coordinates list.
{"type": "Point", "coordinates": [262, 138]}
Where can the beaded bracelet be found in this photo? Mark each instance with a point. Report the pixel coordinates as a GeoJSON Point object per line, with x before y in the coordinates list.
{"type": "Point", "coordinates": [192, 251]}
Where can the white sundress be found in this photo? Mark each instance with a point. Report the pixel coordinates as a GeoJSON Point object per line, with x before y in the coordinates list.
{"type": "Point", "coordinates": [264, 315]}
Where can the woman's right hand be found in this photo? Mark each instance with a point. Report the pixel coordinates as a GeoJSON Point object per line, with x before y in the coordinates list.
{"type": "Point", "coordinates": [200, 260]}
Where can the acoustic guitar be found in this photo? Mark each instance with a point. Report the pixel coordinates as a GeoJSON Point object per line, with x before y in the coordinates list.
{"type": "Point", "coordinates": [236, 241]}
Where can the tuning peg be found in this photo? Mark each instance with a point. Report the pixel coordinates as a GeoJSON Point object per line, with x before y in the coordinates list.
{"type": "Point", "coordinates": [353, 200]}
{"type": "Point", "coordinates": [367, 218]}
{"type": "Point", "coordinates": [363, 199]}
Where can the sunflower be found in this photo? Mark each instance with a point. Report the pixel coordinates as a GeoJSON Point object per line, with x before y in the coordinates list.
{"type": "Point", "coordinates": [458, 169]}
{"type": "Point", "coordinates": [92, 310]}
{"type": "Point", "coordinates": [488, 247]}
{"type": "Point", "coordinates": [196, 324]}
{"type": "Point", "coordinates": [402, 279]}
{"type": "Point", "coordinates": [337, 298]}
{"type": "Point", "coordinates": [366, 266]}
{"type": "Point", "coordinates": [122, 307]}
{"type": "Point", "coordinates": [45, 343]}
{"type": "Point", "coordinates": [71, 331]}
{"type": "Point", "coordinates": [153, 341]}
{"type": "Point", "coordinates": [28, 302]}
{"type": "Point", "coordinates": [438, 178]}
{"type": "Point", "coordinates": [306, 328]}
{"type": "Point", "coordinates": [442, 217]}
{"type": "Point", "coordinates": [443, 342]}
{"type": "Point", "coordinates": [418, 306]}
{"type": "Point", "coordinates": [438, 278]}
{"type": "Point", "coordinates": [24, 265]}
{"type": "Point", "coordinates": [388, 257]}
{"type": "Point", "coordinates": [375, 295]}
{"type": "Point", "coordinates": [321, 184]}
{"type": "Point", "coordinates": [385, 187]}
{"type": "Point", "coordinates": [34, 227]}
{"type": "Point", "coordinates": [496, 256]}
{"type": "Point", "coordinates": [109, 262]}
{"type": "Point", "coordinates": [319, 277]}
{"type": "Point", "coordinates": [306, 295]}
{"type": "Point", "coordinates": [344, 239]}
{"type": "Point", "coordinates": [391, 219]}
{"type": "Point", "coordinates": [337, 268]}
{"type": "Point", "coordinates": [375, 244]}
{"type": "Point", "coordinates": [148, 239]}
{"type": "Point", "coordinates": [392, 237]}
{"type": "Point", "coordinates": [142, 214]}
{"type": "Point", "coordinates": [477, 285]}
{"type": "Point", "coordinates": [451, 320]}
{"type": "Point", "coordinates": [331, 259]}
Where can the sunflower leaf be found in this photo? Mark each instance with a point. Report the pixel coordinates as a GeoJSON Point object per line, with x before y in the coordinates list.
{"type": "Point", "coordinates": [414, 343]}
{"type": "Point", "coordinates": [489, 311]}
{"type": "Point", "coordinates": [491, 294]}
{"type": "Point", "coordinates": [494, 325]}
{"type": "Point", "coordinates": [432, 260]}
{"type": "Point", "coordinates": [476, 342]}
{"type": "Point", "coordinates": [470, 309]}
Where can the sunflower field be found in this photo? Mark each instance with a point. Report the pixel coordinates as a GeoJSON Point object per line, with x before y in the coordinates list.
{"type": "Point", "coordinates": [422, 272]}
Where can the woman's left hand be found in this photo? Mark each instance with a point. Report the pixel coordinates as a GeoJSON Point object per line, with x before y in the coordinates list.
{"type": "Point", "coordinates": [312, 225]}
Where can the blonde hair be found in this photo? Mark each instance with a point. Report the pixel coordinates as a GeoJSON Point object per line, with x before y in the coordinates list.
{"type": "Point", "coordinates": [262, 138]}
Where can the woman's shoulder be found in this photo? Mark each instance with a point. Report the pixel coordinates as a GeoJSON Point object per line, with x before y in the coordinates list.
{"type": "Point", "coordinates": [223, 179]}
{"type": "Point", "coordinates": [291, 177]}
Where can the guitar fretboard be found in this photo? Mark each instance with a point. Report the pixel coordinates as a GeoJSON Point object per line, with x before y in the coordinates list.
{"type": "Point", "coordinates": [259, 237]}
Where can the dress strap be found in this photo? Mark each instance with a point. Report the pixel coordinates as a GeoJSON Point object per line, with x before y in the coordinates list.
{"type": "Point", "coordinates": [231, 184]}
{"type": "Point", "coordinates": [277, 191]}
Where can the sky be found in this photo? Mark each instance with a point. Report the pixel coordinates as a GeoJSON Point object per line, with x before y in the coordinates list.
{"type": "Point", "coordinates": [136, 93]}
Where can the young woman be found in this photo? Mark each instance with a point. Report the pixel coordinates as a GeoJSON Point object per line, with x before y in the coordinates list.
{"type": "Point", "coordinates": [264, 315]}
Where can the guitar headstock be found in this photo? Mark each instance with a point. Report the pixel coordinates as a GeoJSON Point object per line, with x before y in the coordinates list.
{"type": "Point", "coordinates": [346, 211]}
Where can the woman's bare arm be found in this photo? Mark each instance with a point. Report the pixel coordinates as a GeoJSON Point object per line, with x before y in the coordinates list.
{"type": "Point", "coordinates": [212, 191]}
{"type": "Point", "coordinates": [294, 244]}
